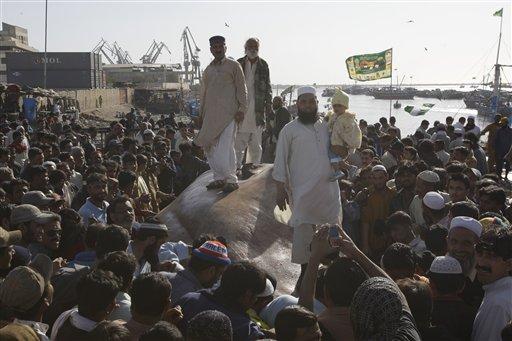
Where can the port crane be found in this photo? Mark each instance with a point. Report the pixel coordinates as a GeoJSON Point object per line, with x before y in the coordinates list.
{"type": "Point", "coordinates": [190, 57]}
{"type": "Point", "coordinates": [112, 52]}
{"type": "Point", "coordinates": [154, 51]}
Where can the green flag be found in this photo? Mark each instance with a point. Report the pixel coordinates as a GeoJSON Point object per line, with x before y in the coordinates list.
{"type": "Point", "coordinates": [369, 67]}
{"type": "Point", "coordinates": [418, 110]}
{"type": "Point", "coordinates": [287, 91]}
{"type": "Point", "coordinates": [498, 13]}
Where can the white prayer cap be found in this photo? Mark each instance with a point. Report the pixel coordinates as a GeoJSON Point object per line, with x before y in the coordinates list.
{"type": "Point", "coordinates": [149, 132]}
{"type": "Point", "coordinates": [434, 201]}
{"type": "Point", "coordinates": [440, 135]}
{"type": "Point", "coordinates": [458, 131]}
{"type": "Point", "coordinates": [378, 168]}
{"type": "Point", "coordinates": [468, 223]}
{"type": "Point", "coordinates": [471, 117]}
{"type": "Point", "coordinates": [306, 90]}
{"type": "Point", "coordinates": [269, 290]}
{"type": "Point", "coordinates": [429, 176]}
{"type": "Point", "coordinates": [446, 265]}
{"type": "Point", "coordinates": [476, 172]}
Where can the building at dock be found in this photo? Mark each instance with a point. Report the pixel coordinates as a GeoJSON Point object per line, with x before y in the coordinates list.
{"type": "Point", "coordinates": [12, 39]}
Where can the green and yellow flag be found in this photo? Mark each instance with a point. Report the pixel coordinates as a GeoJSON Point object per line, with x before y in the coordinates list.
{"type": "Point", "coordinates": [370, 67]}
{"type": "Point", "coordinates": [498, 13]}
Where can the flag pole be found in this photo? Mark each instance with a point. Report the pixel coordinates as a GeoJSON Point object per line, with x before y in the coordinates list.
{"type": "Point", "coordinates": [497, 69]}
{"type": "Point", "coordinates": [391, 89]}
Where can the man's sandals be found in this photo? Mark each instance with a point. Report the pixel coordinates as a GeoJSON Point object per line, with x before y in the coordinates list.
{"type": "Point", "coordinates": [216, 184]}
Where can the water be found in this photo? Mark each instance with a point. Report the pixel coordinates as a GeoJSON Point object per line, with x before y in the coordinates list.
{"type": "Point", "coordinates": [371, 109]}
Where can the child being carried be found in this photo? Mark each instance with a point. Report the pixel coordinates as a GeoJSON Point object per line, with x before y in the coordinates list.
{"type": "Point", "coordinates": [345, 133]}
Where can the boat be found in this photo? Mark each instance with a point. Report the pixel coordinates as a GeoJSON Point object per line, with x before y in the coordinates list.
{"type": "Point", "coordinates": [393, 93]}
{"type": "Point", "coordinates": [490, 103]}
{"type": "Point", "coordinates": [397, 105]}
{"type": "Point", "coordinates": [328, 92]}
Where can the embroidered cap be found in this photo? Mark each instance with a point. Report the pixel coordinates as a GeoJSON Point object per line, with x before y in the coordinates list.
{"type": "Point", "coordinates": [468, 223]}
{"type": "Point", "coordinates": [213, 251]}
{"type": "Point", "coordinates": [446, 265]}
{"type": "Point", "coordinates": [434, 201]}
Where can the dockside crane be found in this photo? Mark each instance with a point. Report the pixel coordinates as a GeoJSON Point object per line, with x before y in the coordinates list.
{"type": "Point", "coordinates": [154, 51]}
{"type": "Point", "coordinates": [190, 57]}
{"type": "Point", "coordinates": [104, 48]}
{"type": "Point", "coordinates": [123, 57]}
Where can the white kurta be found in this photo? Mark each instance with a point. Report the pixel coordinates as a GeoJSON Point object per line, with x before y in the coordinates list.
{"type": "Point", "coordinates": [494, 312]}
{"type": "Point", "coordinates": [303, 164]}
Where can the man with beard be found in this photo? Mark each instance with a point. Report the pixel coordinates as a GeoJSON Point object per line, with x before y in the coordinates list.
{"type": "Point", "coordinates": [121, 212]}
{"type": "Point", "coordinates": [434, 211]}
{"type": "Point", "coordinates": [302, 165]}
{"type": "Point", "coordinates": [145, 245]}
{"type": "Point", "coordinates": [471, 127]}
{"type": "Point", "coordinates": [464, 233]}
{"type": "Point", "coordinates": [493, 265]}
{"type": "Point", "coordinates": [223, 106]}
{"type": "Point", "coordinates": [259, 97]}
{"type": "Point", "coordinates": [206, 265]}
{"type": "Point", "coordinates": [405, 181]}
{"type": "Point", "coordinates": [426, 181]}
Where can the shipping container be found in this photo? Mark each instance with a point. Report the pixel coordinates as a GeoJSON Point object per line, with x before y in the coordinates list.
{"type": "Point", "coordinates": [54, 61]}
{"type": "Point", "coordinates": [55, 79]}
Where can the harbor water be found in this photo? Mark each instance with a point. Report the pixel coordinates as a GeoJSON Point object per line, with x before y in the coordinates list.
{"type": "Point", "coordinates": [371, 109]}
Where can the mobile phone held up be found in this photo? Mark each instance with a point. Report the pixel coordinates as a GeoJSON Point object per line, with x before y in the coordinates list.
{"type": "Point", "coordinates": [334, 236]}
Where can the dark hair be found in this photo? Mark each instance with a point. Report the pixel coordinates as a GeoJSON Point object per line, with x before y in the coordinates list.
{"type": "Point", "coordinates": [342, 279]}
{"type": "Point", "coordinates": [484, 183]}
{"type": "Point", "coordinates": [33, 171]}
{"type": "Point", "coordinates": [496, 194]}
{"type": "Point", "coordinates": [96, 178]}
{"type": "Point", "coordinates": [92, 234]}
{"type": "Point", "coordinates": [506, 333]}
{"type": "Point", "coordinates": [424, 260]}
{"type": "Point", "coordinates": [56, 176]}
{"type": "Point", "coordinates": [464, 208]}
{"type": "Point", "coordinates": [203, 238]}
{"type": "Point", "coordinates": [419, 298]}
{"type": "Point", "coordinates": [33, 152]}
{"type": "Point", "coordinates": [100, 169]}
{"type": "Point", "coordinates": [150, 293]}
{"type": "Point", "coordinates": [198, 264]}
{"type": "Point", "coordinates": [185, 147]}
{"type": "Point", "coordinates": [126, 177]}
{"type": "Point", "coordinates": [398, 218]}
{"type": "Point", "coordinates": [110, 331]}
{"type": "Point", "coordinates": [121, 264]}
{"type": "Point", "coordinates": [406, 168]}
{"type": "Point", "coordinates": [210, 325]}
{"type": "Point", "coordinates": [446, 283]}
{"type": "Point", "coordinates": [129, 157]}
{"type": "Point", "coordinates": [435, 240]}
{"type": "Point", "coordinates": [95, 291]}
{"type": "Point", "coordinates": [455, 167]}
{"type": "Point", "coordinates": [463, 150]}
{"type": "Point", "coordinates": [4, 151]}
{"type": "Point", "coordinates": [292, 318]}
{"type": "Point", "coordinates": [240, 277]}
{"type": "Point", "coordinates": [162, 331]}
{"type": "Point", "coordinates": [112, 238]}
{"type": "Point", "coordinates": [114, 203]}
{"type": "Point", "coordinates": [492, 176]}
{"type": "Point", "coordinates": [399, 256]}
{"type": "Point", "coordinates": [461, 178]}
{"type": "Point", "coordinates": [9, 186]}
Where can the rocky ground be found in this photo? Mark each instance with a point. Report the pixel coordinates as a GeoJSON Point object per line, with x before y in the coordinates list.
{"type": "Point", "coordinates": [102, 117]}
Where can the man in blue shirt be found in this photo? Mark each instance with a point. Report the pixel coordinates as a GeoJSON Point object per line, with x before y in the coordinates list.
{"type": "Point", "coordinates": [239, 287]}
{"type": "Point", "coordinates": [95, 208]}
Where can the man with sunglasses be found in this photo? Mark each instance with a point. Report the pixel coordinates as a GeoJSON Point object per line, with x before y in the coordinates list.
{"type": "Point", "coordinates": [52, 233]}
{"type": "Point", "coordinates": [494, 266]}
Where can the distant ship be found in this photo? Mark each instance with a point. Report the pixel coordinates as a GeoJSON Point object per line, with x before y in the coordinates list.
{"type": "Point", "coordinates": [393, 93]}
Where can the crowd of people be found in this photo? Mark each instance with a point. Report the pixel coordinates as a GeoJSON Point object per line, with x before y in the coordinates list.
{"type": "Point", "coordinates": [398, 237]}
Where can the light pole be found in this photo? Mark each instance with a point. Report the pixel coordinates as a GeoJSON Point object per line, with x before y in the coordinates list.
{"type": "Point", "coordinates": [45, 41]}
{"type": "Point", "coordinates": [410, 77]}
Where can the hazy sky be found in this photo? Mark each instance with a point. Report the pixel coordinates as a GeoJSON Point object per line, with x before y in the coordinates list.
{"type": "Point", "coordinates": [303, 41]}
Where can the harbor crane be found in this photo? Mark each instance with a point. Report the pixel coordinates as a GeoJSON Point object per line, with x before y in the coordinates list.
{"type": "Point", "coordinates": [112, 52]}
{"type": "Point", "coordinates": [154, 51]}
{"type": "Point", "coordinates": [190, 57]}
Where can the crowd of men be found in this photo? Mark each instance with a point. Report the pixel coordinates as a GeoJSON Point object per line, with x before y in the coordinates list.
{"type": "Point", "coordinates": [410, 240]}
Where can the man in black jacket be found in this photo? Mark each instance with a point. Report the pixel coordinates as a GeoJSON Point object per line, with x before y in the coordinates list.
{"type": "Point", "coordinates": [259, 97]}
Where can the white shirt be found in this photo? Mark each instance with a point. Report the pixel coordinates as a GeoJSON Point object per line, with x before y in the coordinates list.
{"type": "Point", "coordinates": [249, 123]}
{"type": "Point", "coordinates": [388, 160]}
{"type": "Point", "coordinates": [89, 210]}
{"type": "Point", "coordinates": [122, 311]}
{"type": "Point", "coordinates": [475, 130]}
{"type": "Point", "coordinates": [444, 156]}
{"type": "Point", "coordinates": [302, 163]}
{"type": "Point", "coordinates": [76, 320]}
{"type": "Point", "coordinates": [416, 208]}
{"type": "Point", "coordinates": [494, 312]}
{"type": "Point", "coordinates": [459, 141]}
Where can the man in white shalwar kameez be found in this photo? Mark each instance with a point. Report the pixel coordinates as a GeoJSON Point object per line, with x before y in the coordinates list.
{"type": "Point", "coordinates": [223, 106]}
{"type": "Point", "coordinates": [303, 168]}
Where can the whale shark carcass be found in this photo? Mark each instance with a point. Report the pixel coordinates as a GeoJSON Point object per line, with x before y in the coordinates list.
{"type": "Point", "coordinates": [244, 217]}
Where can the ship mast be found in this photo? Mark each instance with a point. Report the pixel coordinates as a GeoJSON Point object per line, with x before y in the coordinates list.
{"type": "Point", "coordinates": [497, 69]}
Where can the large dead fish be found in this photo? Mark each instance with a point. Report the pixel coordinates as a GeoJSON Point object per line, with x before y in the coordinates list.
{"type": "Point", "coordinates": [244, 217]}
